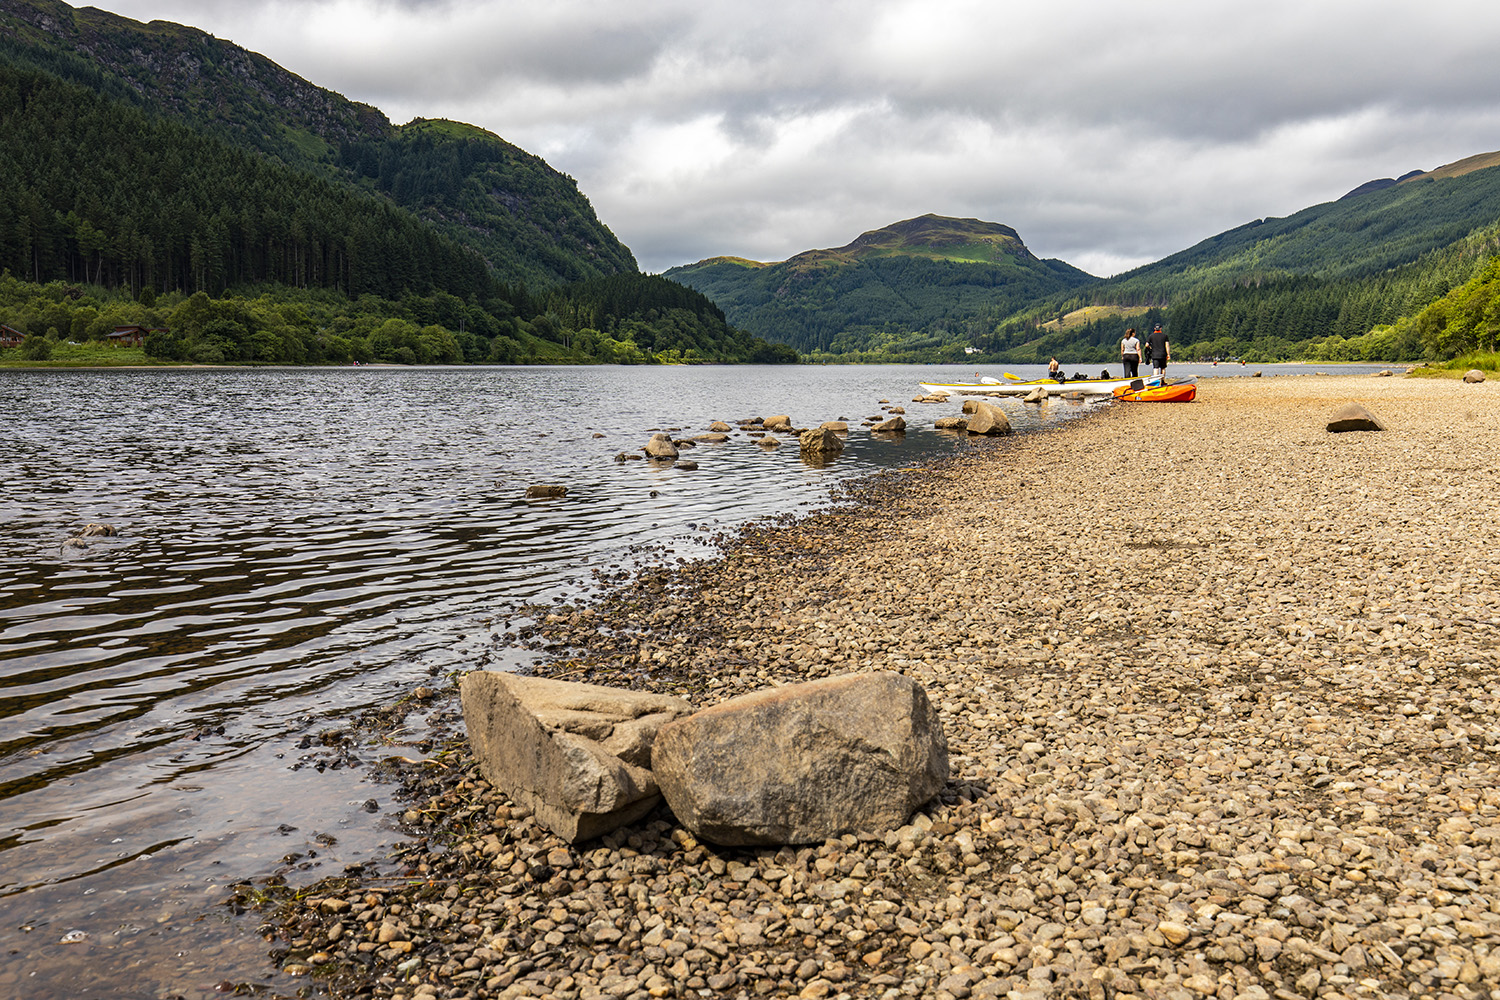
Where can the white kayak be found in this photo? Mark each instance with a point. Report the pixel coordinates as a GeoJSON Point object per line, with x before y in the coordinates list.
{"type": "Point", "coordinates": [1017, 387]}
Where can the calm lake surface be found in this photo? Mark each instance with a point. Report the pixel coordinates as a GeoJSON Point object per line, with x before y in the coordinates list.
{"type": "Point", "coordinates": [296, 546]}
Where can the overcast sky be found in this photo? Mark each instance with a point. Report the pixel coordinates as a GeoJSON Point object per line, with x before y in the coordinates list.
{"type": "Point", "coordinates": [1108, 134]}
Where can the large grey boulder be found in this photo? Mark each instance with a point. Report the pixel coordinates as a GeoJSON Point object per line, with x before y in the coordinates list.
{"type": "Point", "coordinates": [1473, 375]}
{"type": "Point", "coordinates": [805, 762]}
{"type": "Point", "coordinates": [986, 418]}
{"type": "Point", "coordinates": [578, 755]}
{"type": "Point", "coordinates": [1353, 417]}
{"type": "Point", "coordinates": [820, 441]}
{"type": "Point", "coordinates": [895, 424]}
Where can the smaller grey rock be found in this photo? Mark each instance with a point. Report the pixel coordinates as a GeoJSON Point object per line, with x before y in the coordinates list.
{"type": "Point", "coordinates": [1473, 375]}
{"type": "Point", "coordinates": [543, 492]}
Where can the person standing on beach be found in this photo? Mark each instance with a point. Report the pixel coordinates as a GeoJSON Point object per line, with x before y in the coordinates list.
{"type": "Point", "coordinates": [1159, 350]}
{"type": "Point", "coordinates": [1130, 353]}
{"type": "Point", "coordinates": [1054, 371]}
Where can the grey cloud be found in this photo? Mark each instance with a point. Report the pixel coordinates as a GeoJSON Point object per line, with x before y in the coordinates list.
{"type": "Point", "coordinates": [1105, 131]}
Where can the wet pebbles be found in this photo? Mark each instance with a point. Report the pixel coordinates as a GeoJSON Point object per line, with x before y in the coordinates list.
{"type": "Point", "coordinates": [1220, 692]}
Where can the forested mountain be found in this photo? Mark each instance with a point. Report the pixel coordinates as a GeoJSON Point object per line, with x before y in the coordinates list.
{"type": "Point", "coordinates": [913, 291]}
{"type": "Point", "coordinates": [155, 176]}
{"type": "Point", "coordinates": [529, 222]}
{"type": "Point", "coordinates": [1314, 284]}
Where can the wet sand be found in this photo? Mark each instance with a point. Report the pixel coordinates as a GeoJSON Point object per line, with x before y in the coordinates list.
{"type": "Point", "coordinates": [1220, 694]}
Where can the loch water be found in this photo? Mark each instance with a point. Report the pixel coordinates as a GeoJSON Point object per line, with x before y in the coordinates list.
{"type": "Point", "coordinates": [297, 546]}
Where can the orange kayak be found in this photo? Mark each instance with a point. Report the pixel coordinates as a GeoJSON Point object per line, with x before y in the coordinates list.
{"type": "Point", "coordinates": [1181, 392]}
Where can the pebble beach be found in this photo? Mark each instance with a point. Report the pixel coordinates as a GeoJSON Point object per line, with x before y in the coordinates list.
{"type": "Point", "coordinates": [1220, 694]}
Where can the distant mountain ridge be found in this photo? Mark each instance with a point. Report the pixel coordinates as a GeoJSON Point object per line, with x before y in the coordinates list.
{"type": "Point", "coordinates": [933, 236]}
{"type": "Point", "coordinates": [529, 222]}
{"type": "Point", "coordinates": [1458, 168]}
{"type": "Point", "coordinates": [918, 286]}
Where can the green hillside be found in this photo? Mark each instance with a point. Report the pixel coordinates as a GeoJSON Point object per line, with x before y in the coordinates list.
{"type": "Point", "coordinates": [528, 221]}
{"type": "Point", "coordinates": [917, 290]}
{"type": "Point", "coordinates": [1312, 285]}
{"type": "Point", "coordinates": [1351, 237]}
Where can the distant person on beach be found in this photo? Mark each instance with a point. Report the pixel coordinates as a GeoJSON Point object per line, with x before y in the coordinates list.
{"type": "Point", "coordinates": [1130, 353]}
{"type": "Point", "coordinates": [1054, 370]}
{"type": "Point", "coordinates": [1158, 350]}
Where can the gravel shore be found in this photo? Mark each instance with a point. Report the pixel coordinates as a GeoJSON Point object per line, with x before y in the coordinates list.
{"type": "Point", "coordinates": [1220, 690]}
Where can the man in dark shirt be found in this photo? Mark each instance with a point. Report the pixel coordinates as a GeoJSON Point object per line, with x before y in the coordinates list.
{"type": "Point", "coordinates": [1158, 350]}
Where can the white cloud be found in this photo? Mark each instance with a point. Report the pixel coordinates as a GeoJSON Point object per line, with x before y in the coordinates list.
{"type": "Point", "coordinates": [1107, 134]}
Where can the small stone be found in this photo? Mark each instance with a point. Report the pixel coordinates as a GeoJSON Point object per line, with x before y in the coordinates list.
{"type": "Point", "coordinates": [1175, 933]}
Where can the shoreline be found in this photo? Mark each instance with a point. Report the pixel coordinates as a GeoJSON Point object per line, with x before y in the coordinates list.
{"type": "Point", "coordinates": [1249, 753]}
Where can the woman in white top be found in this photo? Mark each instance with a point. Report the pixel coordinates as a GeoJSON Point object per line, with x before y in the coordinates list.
{"type": "Point", "coordinates": [1130, 354]}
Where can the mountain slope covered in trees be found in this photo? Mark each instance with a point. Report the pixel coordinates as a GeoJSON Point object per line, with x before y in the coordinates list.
{"type": "Point", "coordinates": [915, 290]}
{"type": "Point", "coordinates": [528, 221]}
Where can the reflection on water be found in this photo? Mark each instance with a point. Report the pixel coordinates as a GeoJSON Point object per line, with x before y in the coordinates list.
{"type": "Point", "coordinates": [297, 546]}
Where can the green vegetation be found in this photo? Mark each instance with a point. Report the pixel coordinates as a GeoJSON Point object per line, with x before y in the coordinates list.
{"type": "Point", "coordinates": [1462, 326]}
{"type": "Point", "coordinates": [626, 319]}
